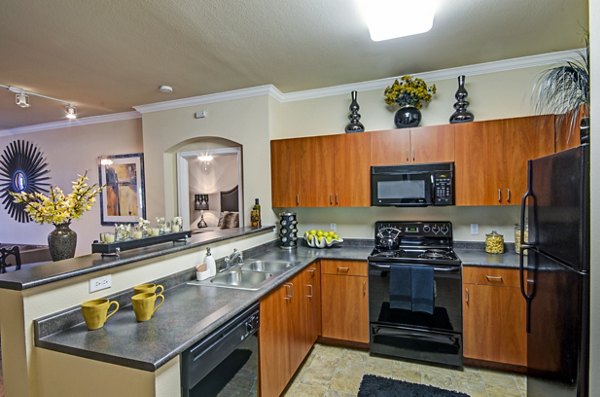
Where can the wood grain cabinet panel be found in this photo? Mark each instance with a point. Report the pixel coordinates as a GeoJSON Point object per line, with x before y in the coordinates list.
{"type": "Point", "coordinates": [493, 317]}
{"type": "Point", "coordinates": [491, 158]}
{"type": "Point", "coordinates": [345, 303]}
{"type": "Point", "coordinates": [285, 172]}
{"type": "Point", "coordinates": [431, 144]}
{"type": "Point", "coordinates": [352, 170]}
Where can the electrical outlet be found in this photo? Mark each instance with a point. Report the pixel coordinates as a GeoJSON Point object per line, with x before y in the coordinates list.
{"type": "Point", "coordinates": [333, 227]}
{"type": "Point", "coordinates": [474, 229]}
{"type": "Point", "coordinates": [100, 283]}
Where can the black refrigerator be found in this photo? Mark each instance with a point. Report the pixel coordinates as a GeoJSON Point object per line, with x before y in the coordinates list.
{"type": "Point", "coordinates": [555, 274]}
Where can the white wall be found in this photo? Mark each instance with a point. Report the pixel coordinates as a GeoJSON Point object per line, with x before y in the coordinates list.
{"type": "Point", "coordinates": [492, 96]}
{"type": "Point", "coordinates": [71, 151]}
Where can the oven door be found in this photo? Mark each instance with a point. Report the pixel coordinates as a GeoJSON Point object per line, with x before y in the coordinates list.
{"type": "Point", "coordinates": [403, 333]}
{"type": "Point", "coordinates": [402, 189]}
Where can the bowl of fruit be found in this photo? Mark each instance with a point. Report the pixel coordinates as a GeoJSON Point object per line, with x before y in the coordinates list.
{"type": "Point", "coordinates": [322, 239]}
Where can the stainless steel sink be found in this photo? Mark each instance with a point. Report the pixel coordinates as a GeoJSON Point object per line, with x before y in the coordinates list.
{"type": "Point", "coordinates": [241, 278]}
{"type": "Point", "coordinates": [267, 266]}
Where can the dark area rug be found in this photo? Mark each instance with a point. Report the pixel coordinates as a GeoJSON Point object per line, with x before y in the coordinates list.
{"type": "Point", "coordinates": [376, 386]}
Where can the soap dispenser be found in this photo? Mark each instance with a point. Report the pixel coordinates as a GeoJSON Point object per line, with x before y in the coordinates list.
{"type": "Point", "coordinates": [210, 263]}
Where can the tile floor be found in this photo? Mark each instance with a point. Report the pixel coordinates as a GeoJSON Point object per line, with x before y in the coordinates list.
{"type": "Point", "coordinates": [337, 372]}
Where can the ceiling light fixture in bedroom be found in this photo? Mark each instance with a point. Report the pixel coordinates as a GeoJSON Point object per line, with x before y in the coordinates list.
{"type": "Point", "coordinates": [390, 19]}
{"type": "Point", "coordinates": [22, 100]}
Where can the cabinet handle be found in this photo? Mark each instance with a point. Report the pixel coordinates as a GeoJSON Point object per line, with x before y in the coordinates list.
{"type": "Point", "coordinates": [407, 159]}
{"type": "Point", "coordinates": [341, 269]}
{"type": "Point", "coordinates": [312, 271]}
{"type": "Point", "coordinates": [494, 278]}
{"type": "Point", "coordinates": [310, 295]}
{"type": "Point", "coordinates": [297, 199]}
{"type": "Point", "coordinates": [288, 293]}
{"type": "Point", "coordinates": [499, 195]}
{"type": "Point", "coordinates": [467, 295]}
{"type": "Point", "coordinates": [413, 154]}
{"type": "Point", "coordinates": [292, 284]}
{"type": "Point", "coordinates": [508, 195]}
{"type": "Point", "coordinates": [364, 288]}
{"type": "Point", "coordinates": [330, 200]}
{"type": "Point", "coordinates": [337, 202]}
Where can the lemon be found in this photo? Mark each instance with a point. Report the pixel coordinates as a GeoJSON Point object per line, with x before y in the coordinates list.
{"type": "Point", "coordinates": [320, 233]}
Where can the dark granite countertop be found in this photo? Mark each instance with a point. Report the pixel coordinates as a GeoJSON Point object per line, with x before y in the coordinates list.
{"type": "Point", "coordinates": [36, 274]}
{"type": "Point", "coordinates": [478, 257]}
{"type": "Point", "coordinates": [190, 313]}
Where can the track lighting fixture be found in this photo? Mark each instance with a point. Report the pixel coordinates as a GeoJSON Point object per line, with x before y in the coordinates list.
{"type": "Point", "coordinates": [70, 112]}
{"type": "Point", "coordinates": [22, 100]}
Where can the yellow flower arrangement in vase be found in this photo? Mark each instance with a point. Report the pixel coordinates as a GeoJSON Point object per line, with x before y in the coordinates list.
{"type": "Point", "coordinates": [409, 92]}
{"type": "Point", "coordinates": [59, 209]}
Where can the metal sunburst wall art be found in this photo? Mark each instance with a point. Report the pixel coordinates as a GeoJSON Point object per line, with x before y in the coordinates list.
{"type": "Point", "coordinates": [22, 169]}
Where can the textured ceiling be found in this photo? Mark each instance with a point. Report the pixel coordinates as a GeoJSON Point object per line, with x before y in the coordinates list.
{"type": "Point", "coordinates": [107, 56]}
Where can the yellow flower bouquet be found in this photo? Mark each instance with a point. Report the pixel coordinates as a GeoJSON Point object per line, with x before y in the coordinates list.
{"type": "Point", "coordinates": [58, 208]}
{"type": "Point", "coordinates": [409, 91]}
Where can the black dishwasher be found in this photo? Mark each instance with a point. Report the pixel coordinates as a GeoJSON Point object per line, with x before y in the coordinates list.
{"type": "Point", "coordinates": [225, 363]}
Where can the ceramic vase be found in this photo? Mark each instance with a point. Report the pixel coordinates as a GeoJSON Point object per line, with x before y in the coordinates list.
{"type": "Point", "coordinates": [62, 242]}
{"type": "Point", "coordinates": [355, 125]}
{"type": "Point", "coordinates": [461, 115]}
{"type": "Point", "coordinates": [407, 116]}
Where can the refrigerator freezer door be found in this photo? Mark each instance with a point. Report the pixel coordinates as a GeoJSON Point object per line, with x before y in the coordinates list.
{"type": "Point", "coordinates": [557, 344]}
{"type": "Point", "coordinates": [558, 211]}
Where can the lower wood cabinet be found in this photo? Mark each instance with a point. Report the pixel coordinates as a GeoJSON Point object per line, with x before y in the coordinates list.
{"type": "Point", "coordinates": [494, 316]}
{"type": "Point", "coordinates": [289, 326]}
{"type": "Point", "coordinates": [345, 300]}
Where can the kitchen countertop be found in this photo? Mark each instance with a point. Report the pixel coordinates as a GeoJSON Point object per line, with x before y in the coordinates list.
{"type": "Point", "coordinates": [190, 313]}
{"type": "Point", "coordinates": [478, 257]}
{"type": "Point", "coordinates": [36, 274]}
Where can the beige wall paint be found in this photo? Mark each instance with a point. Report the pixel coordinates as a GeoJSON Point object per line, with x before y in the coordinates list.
{"type": "Point", "coordinates": [492, 96]}
{"type": "Point", "coordinates": [244, 121]}
{"type": "Point", "coordinates": [71, 151]}
{"type": "Point", "coordinates": [595, 202]}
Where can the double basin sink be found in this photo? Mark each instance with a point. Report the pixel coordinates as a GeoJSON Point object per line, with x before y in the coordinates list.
{"type": "Point", "coordinates": [249, 276]}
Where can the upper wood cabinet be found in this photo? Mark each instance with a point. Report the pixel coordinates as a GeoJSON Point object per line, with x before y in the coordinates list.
{"type": "Point", "coordinates": [491, 158]}
{"type": "Point", "coordinates": [429, 144]}
{"type": "Point", "coordinates": [321, 171]}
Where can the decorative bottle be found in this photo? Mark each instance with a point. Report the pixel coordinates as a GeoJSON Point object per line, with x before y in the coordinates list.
{"type": "Point", "coordinates": [255, 215]}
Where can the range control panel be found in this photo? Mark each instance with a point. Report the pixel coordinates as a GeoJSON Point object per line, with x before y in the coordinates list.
{"type": "Point", "coordinates": [416, 228]}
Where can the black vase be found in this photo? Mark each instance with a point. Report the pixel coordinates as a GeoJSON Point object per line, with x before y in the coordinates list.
{"type": "Point", "coordinates": [355, 125]}
{"type": "Point", "coordinates": [461, 115]}
{"type": "Point", "coordinates": [62, 242]}
{"type": "Point", "coordinates": [407, 116]}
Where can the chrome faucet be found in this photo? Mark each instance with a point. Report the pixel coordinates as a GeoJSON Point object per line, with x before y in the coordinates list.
{"type": "Point", "coordinates": [231, 259]}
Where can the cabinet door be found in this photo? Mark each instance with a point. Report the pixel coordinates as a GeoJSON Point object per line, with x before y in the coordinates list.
{"type": "Point", "coordinates": [352, 170]}
{"type": "Point", "coordinates": [286, 159]}
{"type": "Point", "coordinates": [390, 147]}
{"type": "Point", "coordinates": [317, 174]}
{"type": "Point", "coordinates": [478, 163]}
{"type": "Point", "coordinates": [275, 369]}
{"type": "Point", "coordinates": [524, 138]}
{"type": "Point", "coordinates": [432, 144]}
{"type": "Point", "coordinates": [345, 307]}
{"type": "Point", "coordinates": [312, 296]}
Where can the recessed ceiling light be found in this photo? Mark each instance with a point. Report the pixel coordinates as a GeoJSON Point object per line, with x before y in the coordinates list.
{"type": "Point", "coordinates": [166, 89]}
{"type": "Point", "coordinates": [390, 19]}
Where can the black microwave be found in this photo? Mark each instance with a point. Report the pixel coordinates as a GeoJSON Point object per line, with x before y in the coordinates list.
{"type": "Point", "coordinates": [413, 185]}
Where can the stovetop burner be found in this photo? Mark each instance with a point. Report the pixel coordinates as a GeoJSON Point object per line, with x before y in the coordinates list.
{"type": "Point", "coordinates": [437, 254]}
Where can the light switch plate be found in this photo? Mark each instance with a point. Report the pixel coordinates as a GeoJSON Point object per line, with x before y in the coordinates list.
{"type": "Point", "coordinates": [100, 283]}
{"type": "Point", "coordinates": [333, 227]}
{"type": "Point", "coordinates": [474, 229]}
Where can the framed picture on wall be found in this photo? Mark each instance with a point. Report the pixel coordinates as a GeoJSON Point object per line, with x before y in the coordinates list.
{"type": "Point", "coordinates": [123, 198]}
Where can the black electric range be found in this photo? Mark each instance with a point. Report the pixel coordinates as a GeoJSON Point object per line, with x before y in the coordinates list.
{"type": "Point", "coordinates": [419, 253]}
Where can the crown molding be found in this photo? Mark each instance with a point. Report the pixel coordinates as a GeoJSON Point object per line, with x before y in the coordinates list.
{"type": "Point", "coordinates": [107, 118]}
{"type": "Point", "coordinates": [242, 93]}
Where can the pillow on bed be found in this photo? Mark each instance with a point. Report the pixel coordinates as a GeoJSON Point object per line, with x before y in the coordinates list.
{"type": "Point", "coordinates": [229, 220]}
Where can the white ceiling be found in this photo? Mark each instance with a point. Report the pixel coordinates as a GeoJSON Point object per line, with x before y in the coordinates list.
{"type": "Point", "coordinates": [109, 55]}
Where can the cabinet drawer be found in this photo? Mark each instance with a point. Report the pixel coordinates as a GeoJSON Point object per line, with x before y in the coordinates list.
{"type": "Point", "coordinates": [347, 268]}
{"type": "Point", "coordinates": [491, 276]}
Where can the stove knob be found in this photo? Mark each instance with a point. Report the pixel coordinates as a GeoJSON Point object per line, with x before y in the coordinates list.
{"type": "Point", "coordinates": [435, 229]}
{"type": "Point", "coordinates": [444, 229]}
{"type": "Point", "coordinates": [426, 228]}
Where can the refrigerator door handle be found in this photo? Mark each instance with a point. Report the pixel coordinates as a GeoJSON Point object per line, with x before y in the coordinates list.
{"type": "Point", "coordinates": [526, 246]}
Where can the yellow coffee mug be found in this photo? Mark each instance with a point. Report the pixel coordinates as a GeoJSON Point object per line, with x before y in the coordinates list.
{"type": "Point", "coordinates": [95, 312]}
{"type": "Point", "coordinates": [144, 305]}
{"type": "Point", "coordinates": [150, 287]}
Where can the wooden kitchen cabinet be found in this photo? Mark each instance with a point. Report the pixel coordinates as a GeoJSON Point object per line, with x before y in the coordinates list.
{"type": "Point", "coordinates": [345, 300]}
{"type": "Point", "coordinates": [321, 171]}
{"type": "Point", "coordinates": [491, 158]}
{"type": "Point", "coordinates": [493, 316]}
{"type": "Point", "coordinates": [567, 128]}
{"type": "Point", "coordinates": [289, 326]}
{"type": "Point", "coordinates": [431, 144]}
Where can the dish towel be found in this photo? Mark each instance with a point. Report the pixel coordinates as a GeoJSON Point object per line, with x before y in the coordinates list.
{"type": "Point", "coordinates": [412, 288]}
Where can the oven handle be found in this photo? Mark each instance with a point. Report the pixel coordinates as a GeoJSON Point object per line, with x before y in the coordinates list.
{"type": "Point", "coordinates": [387, 331]}
{"type": "Point", "coordinates": [451, 269]}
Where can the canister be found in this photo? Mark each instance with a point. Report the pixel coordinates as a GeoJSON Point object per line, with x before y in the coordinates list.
{"type": "Point", "coordinates": [288, 231]}
{"type": "Point", "coordinates": [494, 243]}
